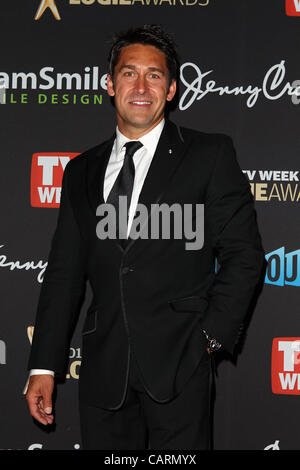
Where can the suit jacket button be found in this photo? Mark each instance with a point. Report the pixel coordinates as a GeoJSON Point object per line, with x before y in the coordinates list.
{"type": "Point", "coordinates": [127, 269]}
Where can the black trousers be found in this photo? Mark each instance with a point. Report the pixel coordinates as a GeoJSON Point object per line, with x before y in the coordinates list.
{"type": "Point", "coordinates": [142, 423]}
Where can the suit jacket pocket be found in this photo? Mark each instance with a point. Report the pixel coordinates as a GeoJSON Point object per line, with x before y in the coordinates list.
{"type": "Point", "coordinates": [90, 324]}
{"type": "Point", "coordinates": [189, 304]}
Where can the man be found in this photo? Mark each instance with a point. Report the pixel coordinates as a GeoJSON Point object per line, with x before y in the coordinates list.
{"type": "Point", "coordinates": [158, 309]}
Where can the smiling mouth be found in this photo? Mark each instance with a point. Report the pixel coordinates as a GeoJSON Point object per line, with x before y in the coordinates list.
{"type": "Point", "coordinates": [141, 103]}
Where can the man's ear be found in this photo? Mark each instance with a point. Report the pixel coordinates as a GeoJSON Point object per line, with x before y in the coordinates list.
{"type": "Point", "coordinates": [172, 90]}
{"type": "Point", "coordinates": [110, 86]}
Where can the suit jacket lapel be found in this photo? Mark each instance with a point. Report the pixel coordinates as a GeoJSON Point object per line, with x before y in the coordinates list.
{"type": "Point", "coordinates": [168, 156]}
{"type": "Point", "coordinates": [165, 160]}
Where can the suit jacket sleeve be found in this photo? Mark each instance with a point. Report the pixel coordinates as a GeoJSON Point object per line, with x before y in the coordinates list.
{"type": "Point", "coordinates": [233, 230]}
{"type": "Point", "coordinates": [62, 291]}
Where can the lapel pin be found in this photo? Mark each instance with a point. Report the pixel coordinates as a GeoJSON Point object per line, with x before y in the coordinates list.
{"type": "Point", "coordinates": [170, 151]}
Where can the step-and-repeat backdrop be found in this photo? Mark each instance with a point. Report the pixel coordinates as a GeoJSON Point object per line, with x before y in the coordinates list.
{"type": "Point", "coordinates": [239, 76]}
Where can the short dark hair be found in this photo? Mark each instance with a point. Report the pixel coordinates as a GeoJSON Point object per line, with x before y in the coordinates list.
{"type": "Point", "coordinates": [148, 34]}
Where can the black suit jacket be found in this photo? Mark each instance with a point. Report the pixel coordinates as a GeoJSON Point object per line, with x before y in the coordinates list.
{"type": "Point", "coordinates": [154, 297]}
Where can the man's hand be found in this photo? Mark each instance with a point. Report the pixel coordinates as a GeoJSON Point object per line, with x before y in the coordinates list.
{"type": "Point", "coordinates": [39, 397]}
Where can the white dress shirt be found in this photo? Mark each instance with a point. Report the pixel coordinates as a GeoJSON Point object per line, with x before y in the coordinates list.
{"type": "Point", "coordinates": [142, 160]}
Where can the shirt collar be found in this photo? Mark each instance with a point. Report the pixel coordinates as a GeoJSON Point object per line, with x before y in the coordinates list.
{"type": "Point", "coordinates": [149, 140]}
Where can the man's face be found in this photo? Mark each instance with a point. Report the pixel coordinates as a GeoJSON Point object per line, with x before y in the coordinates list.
{"type": "Point", "coordinates": [140, 88]}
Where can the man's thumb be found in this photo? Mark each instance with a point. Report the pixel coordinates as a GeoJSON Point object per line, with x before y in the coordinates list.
{"type": "Point", "coordinates": [48, 410]}
{"type": "Point", "coordinates": [47, 404]}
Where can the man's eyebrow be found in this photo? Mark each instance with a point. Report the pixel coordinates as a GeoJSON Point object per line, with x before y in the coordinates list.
{"type": "Point", "coordinates": [134, 67]}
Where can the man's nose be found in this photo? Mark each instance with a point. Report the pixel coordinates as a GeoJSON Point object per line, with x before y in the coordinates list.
{"type": "Point", "coordinates": [141, 84]}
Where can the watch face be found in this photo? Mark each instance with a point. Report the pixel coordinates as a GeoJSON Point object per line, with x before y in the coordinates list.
{"type": "Point", "coordinates": [214, 345]}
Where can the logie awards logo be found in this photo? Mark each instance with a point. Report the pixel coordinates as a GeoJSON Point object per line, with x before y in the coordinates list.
{"type": "Point", "coordinates": [44, 5]}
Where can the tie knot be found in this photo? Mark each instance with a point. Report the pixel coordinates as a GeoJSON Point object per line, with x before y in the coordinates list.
{"type": "Point", "coordinates": [132, 147]}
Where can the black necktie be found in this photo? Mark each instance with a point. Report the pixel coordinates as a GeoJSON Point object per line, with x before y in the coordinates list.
{"type": "Point", "coordinates": [124, 183]}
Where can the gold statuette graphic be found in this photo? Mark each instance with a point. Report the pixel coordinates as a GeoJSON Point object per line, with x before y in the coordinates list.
{"type": "Point", "coordinates": [43, 6]}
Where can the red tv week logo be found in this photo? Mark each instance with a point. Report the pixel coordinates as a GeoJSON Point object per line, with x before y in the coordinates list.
{"type": "Point", "coordinates": [292, 7]}
{"type": "Point", "coordinates": [286, 366]}
{"type": "Point", "coordinates": [46, 177]}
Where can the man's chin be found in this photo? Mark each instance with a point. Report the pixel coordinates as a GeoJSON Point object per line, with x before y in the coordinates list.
{"type": "Point", "coordinates": [140, 120]}
{"type": "Point", "coordinates": [140, 123]}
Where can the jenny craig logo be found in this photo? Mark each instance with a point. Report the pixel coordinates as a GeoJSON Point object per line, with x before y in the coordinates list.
{"type": "Point", "coordinates": [5, 262]}
{"type": "Point", "coordinates": [82, 86]}
{"type": "Point", "coordinates": [286, 366]}
{"type": "Point", "coordinates": [292, 7]}
{"type": "Point", "coordinates": [273, 86]}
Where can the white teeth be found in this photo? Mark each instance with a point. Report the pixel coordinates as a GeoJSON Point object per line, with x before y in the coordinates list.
{"type": "Point", "coordinates": [141, 102]}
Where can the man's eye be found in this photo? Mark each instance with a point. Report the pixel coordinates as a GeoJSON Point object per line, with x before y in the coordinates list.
{"type": "Point", "coordinates": [154, 75]}
{"type": "Point", "coordinates": [128, 74]}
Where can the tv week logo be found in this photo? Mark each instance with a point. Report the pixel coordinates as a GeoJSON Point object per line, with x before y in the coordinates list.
{"type": "Point", "coordinates": [292, 7]}
{"type": "Point", "coordinates": [286, 366]}
{"type": "Point", "coordinates": [47, 171]}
